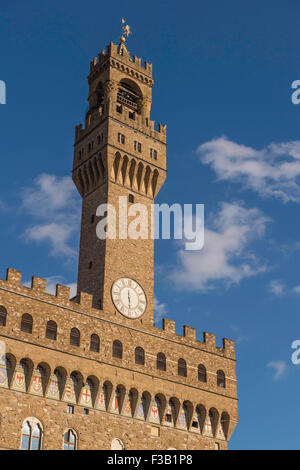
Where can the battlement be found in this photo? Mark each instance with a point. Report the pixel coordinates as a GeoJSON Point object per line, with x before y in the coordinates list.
{"type": "Point", "coordinates": [140, 124]}
{"type": "Point", "coordinates": [120, 54]}
{"type": "Point", "coordinates": [83, 304]}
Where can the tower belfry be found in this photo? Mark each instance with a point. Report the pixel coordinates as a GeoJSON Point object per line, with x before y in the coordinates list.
{"type": "Point", "coordinates": [117, 153]}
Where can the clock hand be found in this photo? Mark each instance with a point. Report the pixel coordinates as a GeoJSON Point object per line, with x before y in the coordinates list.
{"type": "Point", "coordinates": [129, 298]}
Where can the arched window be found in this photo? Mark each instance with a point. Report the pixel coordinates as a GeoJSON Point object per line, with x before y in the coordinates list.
{"type": "Point", "coordinates": [69, 440]}
{"type": "Point", "coordinates": [161, 362]}
{"type": "Point", "coordinates": [202, 373]}
{"type": "Point", "coordinates": [26, 435]}
{"type": "Point", "coordinates": [31, 435]}
{"type": "Point", "coordinates": [75, 337]}
{"type": "Point", "coordinates": [51, 330]}
{"type": "Point", "coordinates": [182, 367]}
{"type": "Point", "coordinates": [3, 315]}
{"type": "Point", "coordinates": [117, 349]}
{"type": "Point", "coordinates": [129, 94]}
{"type": "Point", "coordinates": [95, 343]}
{"type": "Point", "coordinates": [220, 379]}
{"type": "Point", "coordinates": [36, 437]}
{"type": "Point", "coordinates": [139, 356]}
{"type": "Point", "coordinates": [26, 323]}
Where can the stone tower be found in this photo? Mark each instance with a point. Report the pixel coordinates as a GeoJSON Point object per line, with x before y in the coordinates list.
{"type": "Point", "coordinates": [94, 372]}
{"type": "Point", "coordinates": [117, 154]}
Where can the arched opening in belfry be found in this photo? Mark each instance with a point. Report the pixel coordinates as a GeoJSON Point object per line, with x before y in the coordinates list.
{"type": "Point", "coordinates": [129, 94]}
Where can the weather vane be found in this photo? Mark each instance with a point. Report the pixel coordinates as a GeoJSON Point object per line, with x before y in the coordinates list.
{"type": "Point", "coordinates": [125, 30]}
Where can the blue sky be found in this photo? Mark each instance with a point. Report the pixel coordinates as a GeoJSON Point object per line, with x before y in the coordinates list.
{"type": "Point", "coordinates": [223, 74]}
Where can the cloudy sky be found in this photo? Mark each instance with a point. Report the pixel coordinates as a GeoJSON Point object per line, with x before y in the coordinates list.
{"type": "Point", "coordinates": [223, 73]}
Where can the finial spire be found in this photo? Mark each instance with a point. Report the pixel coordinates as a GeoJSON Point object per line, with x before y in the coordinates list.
{"type": "Point", "coordinates": [125, 31]}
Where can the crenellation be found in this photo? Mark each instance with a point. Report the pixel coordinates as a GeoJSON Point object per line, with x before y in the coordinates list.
{"type": "Point", "coordinates": [168, 326]}
{"type": "Point", "coordinates": [62, 293]}
{"type": "Point", "coordinates": [38, 284]}
{"type": "Point", "coordinates": [210, 341]}
{"type": "Point", "coordinates": [189, 333]}
{"type": "Point", "coordinates": [85, 300]}
{"type": "Point", "coordinates": [13, 277]}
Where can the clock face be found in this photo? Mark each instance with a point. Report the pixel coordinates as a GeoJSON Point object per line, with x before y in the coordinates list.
{"type": "Point", "coordinates": [128, 297]}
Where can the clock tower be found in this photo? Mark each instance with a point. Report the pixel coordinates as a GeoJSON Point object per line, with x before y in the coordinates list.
{"type": "Point", "coordinates": [119, 160]}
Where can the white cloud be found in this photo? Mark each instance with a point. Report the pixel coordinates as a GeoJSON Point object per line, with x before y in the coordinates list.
{"type": "Point", "coordinates": [160, 310]}
{"type": "Point", "coordinates": [273, 171]}
{"type": "Point", "coordinates": [296, 289]}
{"type": "Point", "coordinates": [226, 256]}
{"type": "Point", "coordinates": [49, 195]}
{"type": "Point", "coordinates": [276, 287]}
{"type": "Point", "coordinates": [54, 204]}
{"type": "Point", "coordinates": [56, 234]}
{"type": "Point", "coordinates": [280, 368]}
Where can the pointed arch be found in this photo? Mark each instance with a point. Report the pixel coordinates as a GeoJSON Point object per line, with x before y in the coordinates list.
{"type": "Point", "coordinates": [116, 166]}
{"type": "Point", "coordinates": [124, 169]}
{"type": "Point", "coordinates": [154, 179]}
{"type": "Point", "coordinates": [131, 172]}
{"type": "Point", "coordinates": [147, 178]}
{"type": "Point", "coordinates": [139, 175]}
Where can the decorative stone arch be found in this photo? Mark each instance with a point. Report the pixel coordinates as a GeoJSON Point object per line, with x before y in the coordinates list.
{"type": "Point", "coordinates": [86, 178]}
{"type": "Point", "coordinates": [95, 383]}
{"type": "Point", "coordinates": [96, 169]}
{"type": "Point", "coordinates": [107, 388]}
{"type": "Point", "coordinates": [7, 366]}
{"type": "Point", "coordinates": [132, 172]}
{"type": "Point", "coordinates": [147, 178]}
{"type": "Point", "coordinates": [161, 402]}
{"type": "Point", "coordinates": [201, 414]}
{"type": "Point", "coordinates": [61, 374]}
{"type": "Point", "coordinates": [225, 423]}
{"type": "Point", "coordinates": [45, 371]}
{"type": "Point", "coordinates": [188, 408]}
{"type": "Point", "coordinates": [124, 169]}
{"type": "Point", "coordinates": [77, 378]}
{"type": "Point", "coordinates": [116, 166]}
{"type": "Point", "coordinates": [133, 396]}
{"type": "Point", "coordinates": [28, 367]}
{"type": "Point", "coordinates": [154, 180]}
{"type": "Point", "coordinates": [213, 415]}
{"type": "Point", "coordinates": [80, 182]}
{"type": "Point", "coordinates": [139, 176]}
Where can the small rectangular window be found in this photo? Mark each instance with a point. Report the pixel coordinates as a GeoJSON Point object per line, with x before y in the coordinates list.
{"type": "Point", "coordinates": [86, 411]}
{"type": "Point", "coordinates": [153, 154]}
{"type": "Point", "coordinates": [119, 109]}
{"type": "Point", "coordinates": [70, 409]}
{"type": "Point", "coordinates": [155, 431]}
{"type": "Point", "coordinates": [131, 198]}
{"type": "Point", "coordinates": [121, 138]}
{"type": "Point", "coordinates": [131, 115]}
